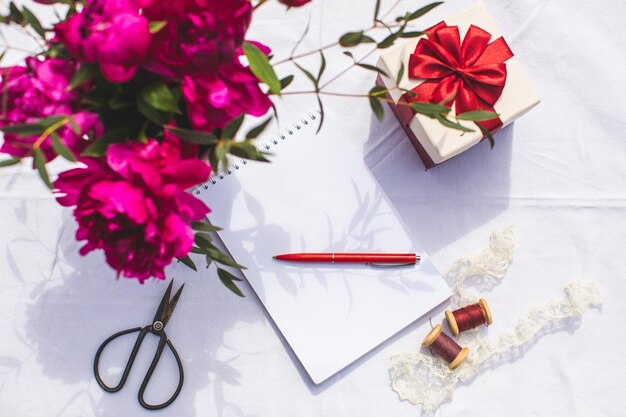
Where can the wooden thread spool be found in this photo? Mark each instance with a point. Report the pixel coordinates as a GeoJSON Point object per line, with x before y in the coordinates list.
{"type": "Point", "coordinates": [469, 317]}
{"type": "Point", "coordinates": [443, 346]}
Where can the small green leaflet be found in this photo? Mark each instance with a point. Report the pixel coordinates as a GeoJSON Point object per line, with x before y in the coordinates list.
{"type": "Point", "coordinates": [158, 96]}
{"type": "Point", "coordinates": [40, 164]}
{"type": "Point", "coordinates": [354, 38]}
{"type": "Point", "coordinates": [488, 135]}
{"type": "Point", "coordinates": [477, 116]}
{"type": "Point", "coordinates": [60, 149]}
{"type": "Point", "coordinates": [377, 108]}
{"type": "Point", "coordinates": [204, 227]}
{"type": "Point", "coordinates": [231, 129]}
{"type": "Point", "coordinates": [228, 280]}
{"type": "Point", "coordinates": [261, 67]}
{"type": "Point", "coordinates": [9, 162]}
{"type": "Point", "coordinates": [187, 261]}
{"type": "Point", "coordinates": [422, 11]}
{"type": "Point", "coordinates": [157, 26]}
{"type": "Point", "coordinates": [199, 138]}
{"type": "Point", "coordinates": [248, 151]}
{"type": "Point", "coordinates": [372, 68]}
{"type": "Point", "coordinates": [84, 74]}
{"type": "Point", "coordinates": [256, 131]}
{"type": "Point", "coordinates": [33, 22]}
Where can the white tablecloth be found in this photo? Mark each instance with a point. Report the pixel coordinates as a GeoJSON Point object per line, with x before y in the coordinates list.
{"type": "Point", "coordinates": [558, 175]}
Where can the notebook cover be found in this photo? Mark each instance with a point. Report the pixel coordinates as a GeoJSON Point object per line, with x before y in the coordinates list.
{"type": "Point", "coordinates": [317, 195]}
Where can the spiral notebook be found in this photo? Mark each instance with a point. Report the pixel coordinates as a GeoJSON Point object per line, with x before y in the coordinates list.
{"type": "Point", "coordinates": [317, 195]}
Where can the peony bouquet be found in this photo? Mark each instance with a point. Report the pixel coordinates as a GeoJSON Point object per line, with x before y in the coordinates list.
{"type": "Point", "coordinates": [146, 97]}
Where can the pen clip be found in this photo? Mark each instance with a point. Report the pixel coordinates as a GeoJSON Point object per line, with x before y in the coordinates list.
{"type": "Point", "coordinates": [376, 265]}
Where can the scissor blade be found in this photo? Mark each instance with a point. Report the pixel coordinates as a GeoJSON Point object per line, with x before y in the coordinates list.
{"type": "Point", "coordinates": [160, 313]}
{"type": "Point", "coordinates": [172, 305]}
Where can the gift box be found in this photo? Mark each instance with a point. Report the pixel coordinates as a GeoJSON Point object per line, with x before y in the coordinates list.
{"type": "Point", "coordinates": [465, 64]}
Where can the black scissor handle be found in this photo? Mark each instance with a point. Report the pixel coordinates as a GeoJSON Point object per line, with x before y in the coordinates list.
{"type": "Point", "coordinates": [163, 340]}
{"type": "Point", "coordinates": [142, 333]}
{"type": "Point", "coordinates": [181, 375]}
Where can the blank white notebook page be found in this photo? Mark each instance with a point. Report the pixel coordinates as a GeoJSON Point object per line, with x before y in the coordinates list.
{"type": "Point", "coordinates": [317, 195]}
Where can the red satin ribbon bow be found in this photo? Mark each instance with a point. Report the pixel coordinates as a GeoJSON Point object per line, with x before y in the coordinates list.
{"type": "Point", "coordinates": [472, 72]}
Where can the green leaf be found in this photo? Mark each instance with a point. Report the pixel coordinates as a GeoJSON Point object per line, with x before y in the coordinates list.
{"type": "Point", "coordinates": [487, 134]}
{"type": "Point", "coordinates": [221, 152]}
{"type": "Point", "coordinates": [354, 38]}
{"type": "Point", "coordinates": [157, 26]}
{"type": "Point", "coordinates": [199, 138]}
{"type": "Point", "coordinates": [372, 68]}
{"type": "Point", "coordinates": [411, 34]}
{"type": "Point", "coordinates": [187, 261]}
{"type": "Point", "coordinates": [204, 227]}
{"type": "Point", "coordinates": [319, 101]}
{"type": "Point", "coordinates": [14, 14]}
{"type": "Point", "coordinates": [400, 73]}
{"type": "Point", "coordinates": [228, 280]}
{"type": "Point", "coordinates": [85, 73]}
{"type": "Point", "coordinates": [231, 129]}
{"type": "Point", "coordinates": [74, 126]}
{"type": "Point", "coordinates": [217, 255]}
{"type": "Point", "coordinates": [378, 90]}
{"type": "Point", "coordinates": [308, 75]}
{"type": "Point", "coordinates": [248, 151]}
{"type": "Point", "coordinates": [429, 109]}
{"type": "Point", "coordinates": [214, 162]}
{"type": "Point", "coordinates": [198, 251]}
{"type": "Point", "coordinates": [348, 53]}
{"type": "Point", "coordinates": [260, 66]}
{"type": "Point", "coordinates": [449, 123]}
{"type": "Point", "coordinates": [322, 67]}
{"type": "Point", "coordinates": [203, 240]}
{"type": "Point", "coordinates": [33, 22]}
{"type": "Point", "coordinates": [286, 81]}
{"type": "Point", "coordinates": [99, 146]}
{"type": "Point", "coordinates": [255, 132]}
{"type": "Point", "coordinates": [9, 162]}
{"type": "Point", "coordinates": [40, 164]}
{"type": "Point", "coordinates": [377, 108]}
{"type": "Point", "coordinates": [31, 129]}
{"type": "Point", "coordinates": [388, 41]}
{"type": "Point", "coordinates": [151, 113]}
{"type": "Point", "coordinates": [422, 11]}
{"type": "Point", "coordinates": [158, 96]}
{"type": "Point", "coordinates": [477, 116]}
{"type": "Point", "coordinates": [60, 149]}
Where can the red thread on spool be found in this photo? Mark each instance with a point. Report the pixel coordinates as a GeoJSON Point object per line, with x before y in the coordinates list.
{"type": "Point", "coordinates": [469, 317]}
{"type": "Point", "coordinates": [443, 346]}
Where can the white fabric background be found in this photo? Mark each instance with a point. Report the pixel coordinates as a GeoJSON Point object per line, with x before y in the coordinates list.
{"type": "Point", "coordinates": [558, 174]}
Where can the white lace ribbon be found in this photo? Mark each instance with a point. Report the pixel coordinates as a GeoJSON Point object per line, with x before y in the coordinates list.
{"type": "Point", "coordinates": [425, 380]}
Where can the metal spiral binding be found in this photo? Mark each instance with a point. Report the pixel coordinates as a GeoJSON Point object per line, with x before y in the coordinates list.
{"type": "Point", "coordinates": [237, 163]}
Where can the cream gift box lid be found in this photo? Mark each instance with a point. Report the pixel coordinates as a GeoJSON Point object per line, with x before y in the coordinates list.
{"type": "Point", "coordinates": [442, 143]}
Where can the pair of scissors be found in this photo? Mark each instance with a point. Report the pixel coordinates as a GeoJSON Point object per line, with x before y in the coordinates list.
{"type": "Point", "coordinates": [162, 316]}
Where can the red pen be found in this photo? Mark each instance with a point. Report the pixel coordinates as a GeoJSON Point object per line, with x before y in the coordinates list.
{"type": "Point", "coordinates": [366, 258]}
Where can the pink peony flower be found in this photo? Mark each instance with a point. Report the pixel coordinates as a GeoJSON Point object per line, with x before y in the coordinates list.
{"type": "Point", "coordinates": [213, 100]}
{"type": "Point", "coordinates": [201, 35]}
{"type": "Point", "coordinates": [110, 32]}
{"type": "Point", "coordinates": [133, 205]}
{"type": "Point", "coordinates": [294, 3]}
{"type": "Point", "coordinates": [39, 90]}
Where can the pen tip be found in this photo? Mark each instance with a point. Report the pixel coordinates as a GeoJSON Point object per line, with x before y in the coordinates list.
{"type": "Point", "coordinates": [274, 257]}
